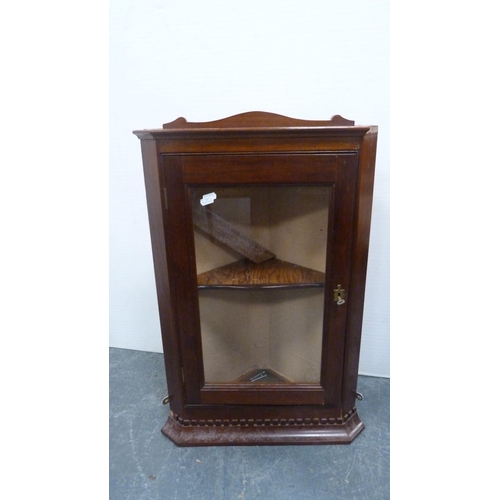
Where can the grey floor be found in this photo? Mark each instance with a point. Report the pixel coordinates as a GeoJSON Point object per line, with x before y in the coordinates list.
{"type": "Point", "coordinates": [144, 465]}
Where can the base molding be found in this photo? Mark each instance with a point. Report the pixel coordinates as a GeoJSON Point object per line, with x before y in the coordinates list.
{"type": "Point", "coordinates": [267, 432]}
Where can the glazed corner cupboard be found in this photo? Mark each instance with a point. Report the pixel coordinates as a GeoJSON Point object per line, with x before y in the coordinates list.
{"type": "Point", "coordinates": [260, 227]}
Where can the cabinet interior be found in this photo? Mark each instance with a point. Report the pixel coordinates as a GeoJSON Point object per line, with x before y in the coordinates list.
{"type": "Point", "coordinates": [264, 316]}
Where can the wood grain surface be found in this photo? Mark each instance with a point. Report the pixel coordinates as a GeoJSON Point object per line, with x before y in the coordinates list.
{"type": "Point", "coordinates": [220, 229]}
{"type": "Point", "coordinates": [273, 273]}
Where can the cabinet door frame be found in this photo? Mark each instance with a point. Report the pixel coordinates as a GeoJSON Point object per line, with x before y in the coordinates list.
{"type": "Point", "coordinates": [339, 171]}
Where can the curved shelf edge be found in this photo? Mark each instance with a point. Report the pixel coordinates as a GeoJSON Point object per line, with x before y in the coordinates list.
{"type": "Point", "coordinates": [260, 287]}
{"type": "Point", "coordinates": [273, 273]}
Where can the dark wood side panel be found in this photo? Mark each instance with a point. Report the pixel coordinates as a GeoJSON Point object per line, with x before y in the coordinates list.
{"type": "Point", "coordinates": [359, 267]}
{"type": "Point", "coordinates": [157, 223]}
{"type": "Point", "coordinates": [182, 273]}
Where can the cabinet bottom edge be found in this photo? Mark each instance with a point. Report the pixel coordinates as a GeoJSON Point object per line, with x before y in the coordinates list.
{"type": "Point", "coordinates": [253, 435]}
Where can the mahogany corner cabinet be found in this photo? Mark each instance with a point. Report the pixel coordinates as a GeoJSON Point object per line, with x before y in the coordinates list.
{"type": "Point", "coordinates": [260, 227]}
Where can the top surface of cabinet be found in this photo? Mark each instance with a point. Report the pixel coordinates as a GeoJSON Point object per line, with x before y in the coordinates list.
{"type": "Point", "coordinates": [256, 131]}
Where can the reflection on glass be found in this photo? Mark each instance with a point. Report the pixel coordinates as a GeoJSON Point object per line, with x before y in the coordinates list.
{"type": "Point", "coordinates": [260, 258]}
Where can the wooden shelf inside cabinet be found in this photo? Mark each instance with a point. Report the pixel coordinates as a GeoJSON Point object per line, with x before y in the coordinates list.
{"type": "Point", "coordinates": [273, 273]}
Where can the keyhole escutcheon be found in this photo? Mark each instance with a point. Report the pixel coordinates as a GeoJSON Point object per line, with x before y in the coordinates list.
{"type": "Point", "coordinates": [339, 295]}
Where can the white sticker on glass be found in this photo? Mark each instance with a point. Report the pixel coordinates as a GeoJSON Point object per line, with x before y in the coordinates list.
{"type": "Point", "coordinates": [208, 198]}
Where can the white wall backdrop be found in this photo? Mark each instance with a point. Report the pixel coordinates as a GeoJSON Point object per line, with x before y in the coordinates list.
{"type": "Point", "coordinates": [208, 60]}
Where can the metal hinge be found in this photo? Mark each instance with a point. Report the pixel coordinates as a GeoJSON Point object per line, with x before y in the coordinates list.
{"type": "Point", "coordinates": [165, 198]}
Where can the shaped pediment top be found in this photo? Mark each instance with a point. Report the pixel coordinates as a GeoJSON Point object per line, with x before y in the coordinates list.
{"type": "Point", "coordinates": [258, 119]}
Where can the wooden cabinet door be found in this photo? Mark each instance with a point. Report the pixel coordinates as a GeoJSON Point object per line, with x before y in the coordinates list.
{"type": "Point", "coordinates": [260, 267]}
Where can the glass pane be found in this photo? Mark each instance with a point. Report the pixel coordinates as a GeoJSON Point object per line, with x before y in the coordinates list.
{"type": "Point", "coordinates": [260, 258]}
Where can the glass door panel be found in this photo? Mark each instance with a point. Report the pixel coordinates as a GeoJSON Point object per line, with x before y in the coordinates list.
{"type": "Point", "coordinates": [260, 259]}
